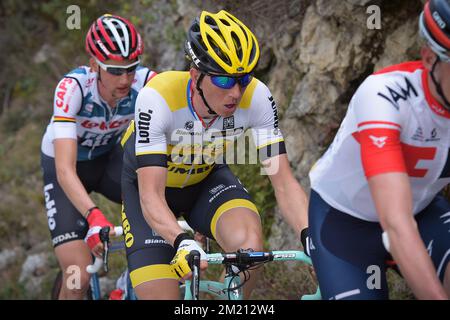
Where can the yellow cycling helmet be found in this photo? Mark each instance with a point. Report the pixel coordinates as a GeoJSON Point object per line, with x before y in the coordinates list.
{"type": "Point", "coordinates": [221, 44]}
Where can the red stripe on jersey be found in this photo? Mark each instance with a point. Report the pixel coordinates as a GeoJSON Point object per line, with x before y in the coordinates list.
{"type": "Point", "coordinates": [413, 154]}
{"type": "Point", "coordinates": [409, 66]}
{"type": "Point", "coordinates": [379, 122]}
{"type": "Point", "coordinates": [381, 151]}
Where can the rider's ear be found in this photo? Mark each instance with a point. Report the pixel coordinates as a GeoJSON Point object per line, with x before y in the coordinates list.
{"type": "Point", "coordinates": [428, 57]}
{"type": "Point", "coordinates": [93, 65]}
{"type": "Point", "coordinates": [195, 73]}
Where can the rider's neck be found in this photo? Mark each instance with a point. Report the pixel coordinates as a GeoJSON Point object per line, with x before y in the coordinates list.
{"type": "Point", "coordinates": [199, 106]}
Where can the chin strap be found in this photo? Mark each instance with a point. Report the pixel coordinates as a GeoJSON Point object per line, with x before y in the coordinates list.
{"type": "Point", "coordinates": [200, 91]}
{"type": "Point", "coordinates": [439, 90]}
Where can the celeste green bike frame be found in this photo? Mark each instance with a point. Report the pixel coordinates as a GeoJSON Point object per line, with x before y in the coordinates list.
{"type": "Point", "coordinates": [224, 290]}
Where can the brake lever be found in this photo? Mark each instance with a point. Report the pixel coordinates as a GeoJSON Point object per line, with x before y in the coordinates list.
{"type": "Point", "coordinates": [104, 237]}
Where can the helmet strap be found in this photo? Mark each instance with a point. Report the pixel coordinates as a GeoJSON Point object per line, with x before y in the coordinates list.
{"type": "Point", "coordinates": [200, 91]}
{"type": "Point", "coordinates": [439, 90]}
{"type": "Point", "coordinates": [99, 78]}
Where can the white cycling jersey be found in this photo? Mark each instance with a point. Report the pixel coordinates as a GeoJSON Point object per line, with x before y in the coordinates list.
{"type": "Point", "coordinates": [167, 131]}
{"type": "Point", "coordinates": [80, 113]}
{"type": "Point", "coordinates": [393, 124]}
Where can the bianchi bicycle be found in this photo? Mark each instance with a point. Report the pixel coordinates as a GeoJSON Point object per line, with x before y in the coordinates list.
{"type": "Point", "coordinates": [236, 263]}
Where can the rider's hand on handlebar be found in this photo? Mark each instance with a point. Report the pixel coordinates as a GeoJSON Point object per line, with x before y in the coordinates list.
{"type": "Point", "coordinates": [179, 264]}
{"type": "Point", "coordinates": [305, 240]}
{"type": "Point", "coordinates": [96, 221]}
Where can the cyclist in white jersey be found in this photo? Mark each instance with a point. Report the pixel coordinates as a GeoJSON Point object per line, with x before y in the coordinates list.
{"type": "Point", "coordinates": [383, 173]}
{"type": "Point", "coordinates": [217, 100]}
{"type": "Point", "coordinates": [81, 152]}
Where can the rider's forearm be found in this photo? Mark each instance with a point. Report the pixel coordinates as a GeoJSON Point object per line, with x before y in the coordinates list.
{"type": "Point", "coordinates": [392, 196]}
{"type": "Point", "coordinates": [410, 254]}
{"type": "Point", "coordinates": [74, 189]}
{"type": "Point", "coordinates": [293, 204]}
{"type": "Point", "coordinates": [159, 216]}
{"type": "Point", "coordinates": [290, 196]}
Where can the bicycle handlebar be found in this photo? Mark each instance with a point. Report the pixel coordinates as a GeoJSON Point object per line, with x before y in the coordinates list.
{"type": "Point", "coordinates": [104, 237]}
{"type": "Point", "coordinates": [245, 257]}
{"type": "Point", "coordinates": [248, 259]}
{"type": "Point", "coordinates": [193, 259]}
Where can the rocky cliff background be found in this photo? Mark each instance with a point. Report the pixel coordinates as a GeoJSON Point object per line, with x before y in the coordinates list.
{"type": "Point", "coordinates": [314, 55]}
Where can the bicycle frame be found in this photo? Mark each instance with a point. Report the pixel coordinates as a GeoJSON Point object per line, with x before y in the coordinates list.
{"type": "Point", "coordinates": [220, 290]}
{"type": "Point", "coordinates": [99, 263]}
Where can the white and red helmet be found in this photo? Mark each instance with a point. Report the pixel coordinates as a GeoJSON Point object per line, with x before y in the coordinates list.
{"type": "Point", "coordinates": [434, 26]}
{"type": "Point", "coordinates": [113, 37]}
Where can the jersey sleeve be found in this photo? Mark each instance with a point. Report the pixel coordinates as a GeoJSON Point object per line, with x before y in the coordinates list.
{"type": "Point", "coordinates": [379, 127]}
{"type": "Point", "coordinates": [264, 123]}
{"type": "Point", "coordinates": [152, 119]}
{"type": "Point", "coordinates": [66, 104]}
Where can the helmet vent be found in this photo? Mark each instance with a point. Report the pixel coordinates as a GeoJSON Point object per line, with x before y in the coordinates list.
{"type": "Point", "coordinates": [219, 52]}
{"type": "Point", "coordinates": [225, 22]}
{"type": "Point", "coordinates": [237, 45]}
{"type": "Point", "coordinates": [209, 20]}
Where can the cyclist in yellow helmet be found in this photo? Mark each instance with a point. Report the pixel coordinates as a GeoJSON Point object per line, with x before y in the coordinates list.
{"type": "Point", "coordinates": [176, 112]}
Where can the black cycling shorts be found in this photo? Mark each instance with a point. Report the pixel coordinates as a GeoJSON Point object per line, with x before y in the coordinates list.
{"type": "Point", "coordinates": [201, 205]}
{"type": "Point", "coordinates": [101, 175]}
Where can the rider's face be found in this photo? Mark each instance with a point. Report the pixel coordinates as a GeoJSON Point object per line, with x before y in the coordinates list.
{"type": "Point", "coordinates": [118, 86]}
{"type": "Point", "coordinates": [443, 77]}
{"type": "Point", "coordinates": [223, 101]}
{"type": "Point", "coordinates": [441, 73]}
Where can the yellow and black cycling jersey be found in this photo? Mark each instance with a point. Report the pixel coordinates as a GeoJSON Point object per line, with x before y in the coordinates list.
{"type": "Point", "coordinates": [167, 132]}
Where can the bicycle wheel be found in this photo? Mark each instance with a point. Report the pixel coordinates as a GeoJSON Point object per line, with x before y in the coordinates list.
{"type": "Point", "coordinates": [56, 288]}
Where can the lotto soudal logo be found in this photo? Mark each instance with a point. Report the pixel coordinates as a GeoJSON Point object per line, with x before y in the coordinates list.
{"type": "Point", "coordinates": [228, 123]}
{"type": "Point", "coordinates": [50, 206]}
{"type": "Point", "coordinates": [64, 237]}
{"type": "Point", "coordinates": [378, 141]}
